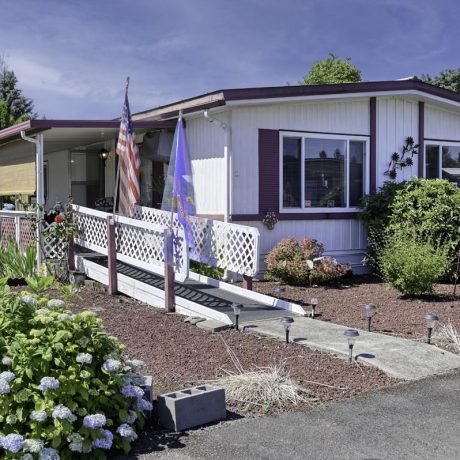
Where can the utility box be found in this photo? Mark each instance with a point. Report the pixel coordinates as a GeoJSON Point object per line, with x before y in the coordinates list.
{"type": "Point", "coordinates": [191, 407]}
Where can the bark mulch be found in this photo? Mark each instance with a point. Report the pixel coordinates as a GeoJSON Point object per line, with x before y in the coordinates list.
{"type": "Point", "coordinates": [179, 355]}
{"type": "Point", "coordinates": [396, 314]}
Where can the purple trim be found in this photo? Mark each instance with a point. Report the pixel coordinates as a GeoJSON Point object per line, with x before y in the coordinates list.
{"type": "Point", "coordinates": [323, 132]}
{"type": "Point", "coordinates": [269, 174]}
{"type": "Point", "coordinates": [442, 140]}
{"type": "Point", "coordinates": [373, 144]}
{"type": "Point", "coordinates": [298, 216]}
{"type": "Point", "coordinates": [421, 139]}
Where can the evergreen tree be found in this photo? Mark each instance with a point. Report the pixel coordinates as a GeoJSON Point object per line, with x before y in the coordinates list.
{"type": "Point", "coordinates": [448, 79]}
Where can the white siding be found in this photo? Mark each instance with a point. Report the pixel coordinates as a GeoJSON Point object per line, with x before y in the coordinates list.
{"type": "Point", "coordinates": [441, 124]}
{"type": "Point", "coordinates": [397, 119]}
{"type": "Point", "coordinates": [350, 117]}
{"type": "Point", "coordinates": [206, 143]}
{"type": "Point", "coordinates": [58, 177]}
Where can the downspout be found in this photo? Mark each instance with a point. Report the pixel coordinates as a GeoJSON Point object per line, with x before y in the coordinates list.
{"type": "Point", "coordinates": [228, 163]}
{"type": "Point", "coordinates": [38, 141]}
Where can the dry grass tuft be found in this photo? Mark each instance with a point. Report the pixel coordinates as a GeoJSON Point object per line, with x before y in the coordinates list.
{"type": "Point", "coordinates": [448, 337]}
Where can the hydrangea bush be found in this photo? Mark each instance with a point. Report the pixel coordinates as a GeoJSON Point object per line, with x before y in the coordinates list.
{"type": "Point", "coordinates": [65, 389]}
{"type": "Point", "coordinates": [302, 263]}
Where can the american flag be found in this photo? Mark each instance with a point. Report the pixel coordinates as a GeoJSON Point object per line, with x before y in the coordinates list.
{"type": "Point", "coordinates": [130, 163]}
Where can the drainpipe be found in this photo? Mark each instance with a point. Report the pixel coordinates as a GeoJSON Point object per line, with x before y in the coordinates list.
{"type": "Point", "coordinates": [228, 176]}
{"type": "Point", "coordinates": [38, 141]}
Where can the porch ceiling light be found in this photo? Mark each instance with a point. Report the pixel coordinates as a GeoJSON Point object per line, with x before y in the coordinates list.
{"type": "Point", "coordinates": [351, 335]}
{"type": "Point", "coordinates": [370, 310]}
{"type": "Point", "coordinates": [104, 154]}
{"type": "Point", "coordinates": [314, 303]}
{"type": "Point", "coordinates": [431, 320]}
{"type": "Point", "coordinates": [287, 321]}
{"type": "Point", "coordinates": [237, 307]}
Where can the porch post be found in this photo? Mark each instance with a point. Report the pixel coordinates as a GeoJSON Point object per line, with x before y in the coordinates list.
{"type": "Point", "coordinates": [247, 282]}
{"type": "Point", "coordinates": [169, 271]}
{"type": "Point", "coordinates": [111, 256]}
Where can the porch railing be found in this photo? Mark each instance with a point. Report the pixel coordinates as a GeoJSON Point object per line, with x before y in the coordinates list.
{"type": "Point", "coordinates": [219, 244]}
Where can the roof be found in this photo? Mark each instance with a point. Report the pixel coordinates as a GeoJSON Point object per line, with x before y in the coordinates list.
{"type": "Point", "coordinates": [267, 94]}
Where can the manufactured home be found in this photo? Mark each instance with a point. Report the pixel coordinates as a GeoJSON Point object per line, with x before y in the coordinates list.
{"type": "Point", "coordinates": [305, 153]}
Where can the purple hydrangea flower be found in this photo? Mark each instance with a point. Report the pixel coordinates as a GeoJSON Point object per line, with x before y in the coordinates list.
{"type": "Point", "coordinates": [112, 365]}
{"type": "Point", "coordinates": [38, 415]}
{"type": "Point", "coordinates": [144, 405]}
{"type": "Point", "coordinates": [48, 454]}
{"type": "Point", "coordinates": [132, 391]}
{"type": "Point", "coordinates": [132, 417]}
{"type": "Point", "coordinates": [48, 383]}
{"type": "Point", "coordinates": [94, 421]}
{"type": "Point", "coordinates": [4, 387]}
{"type": "Point", "coordinates": [26, 457]}
{"type": "Point", "coordinates": [7, 376]}
{"type": "Point", "coordinates": [62, 412]}
{"type": "Point", "coordinates": [12, 442]}
{"type": "Point", "coordinates": [105, 442]}
{"type": "Point", "coordinates": [126, 431]}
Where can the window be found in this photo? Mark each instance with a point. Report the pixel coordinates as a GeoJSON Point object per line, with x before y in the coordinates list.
{"type": "Point", "coordinates": [443, 161]}
{"type": "Point", "coordinates": [321, 171]}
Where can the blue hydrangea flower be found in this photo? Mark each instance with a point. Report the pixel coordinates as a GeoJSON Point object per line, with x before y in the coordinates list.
{"type": "Point", "coordinates": [29, 300]}
{"type": "Point", "coordinates": [75, 441]}
{"type": "Point", "coordinates": [132, 417]}
{"type": "Point", "coordinates": [126, 431]}
{"type": "Point", "coordinates": [4, 387]}
{"type": "Point", "coordinates": [62, 412]}
{"type": "Point", "coordinates": [84, 358]}
{"type": "Point", "coordinates": [48, 383]}
{"type": "Point", "coordinates": [105, 442]}
{"type": "Point", "coordinates": [38, 415]}
{"type": "Point", "coordinates": [33, 445]}
{"type": "Point", "coordinates": [48, 454]}
{"type": "Point", "coordinates": [55, 303]}
{"type": "Point", "coordinates": [26, 457]}
{"type": "Point", "coordinates": [134, 379]}
{"type": "Point", "coordinates": [12, 442]}
{"type": "Point", "coordinates": [94, 421]}
{"type": "Point", "coordinates": [7, 361]}
{"type": "Point", "coordinates": [112, 365]}
{"type": "Point", "coordinates": [7, 376]}
{"type": "Point", "coordinates": [144, 405]}
{"type": "Point", "coordinates": [132, 391]}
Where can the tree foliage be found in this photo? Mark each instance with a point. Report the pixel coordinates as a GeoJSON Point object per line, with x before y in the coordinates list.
{"type": "Point", "coordinates": [332, 70]}
{"type": "Point", "coordinates": [14, 106]}
{"type": "Point", "coordinates": [448, 79]}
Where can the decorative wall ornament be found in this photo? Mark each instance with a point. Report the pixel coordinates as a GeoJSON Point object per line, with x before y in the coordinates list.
{"type": "Point", "coordinates": [401, 160]}
{"type": "Point", "coordinates": [270, 220]}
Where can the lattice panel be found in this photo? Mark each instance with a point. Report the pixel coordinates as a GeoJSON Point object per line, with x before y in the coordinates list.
{"type": "Point", "coordinates": [8, 229]}
{"type": "Point", "coordinates": [224, 245]}
{"type": "Point", "coordinates": [28, 234]}
{"type": "Point", "coordinates": [93, 231]}
{"type": "Point", "coordinates": [52, 248]}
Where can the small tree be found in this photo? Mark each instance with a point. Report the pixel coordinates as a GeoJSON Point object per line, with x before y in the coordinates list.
{"type": "Point", "coordinates": [448, 79]}
{"type": "Point", "coordinates": [332, 70]}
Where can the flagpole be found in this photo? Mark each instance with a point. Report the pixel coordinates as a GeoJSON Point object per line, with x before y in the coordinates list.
{"type": "Point", "coordinates": [117, 177]}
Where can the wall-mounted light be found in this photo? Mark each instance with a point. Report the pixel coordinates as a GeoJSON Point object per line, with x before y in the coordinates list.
{"type": "Point", "coordinates": [104, 154]}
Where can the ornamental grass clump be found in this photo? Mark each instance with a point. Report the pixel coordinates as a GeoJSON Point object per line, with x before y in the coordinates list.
{"type": "Point", "coordinates": [65, 389]}
{"type": "Point", "coordinates": [302, 263]}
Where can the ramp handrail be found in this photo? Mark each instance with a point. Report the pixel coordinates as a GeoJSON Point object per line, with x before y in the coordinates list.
{"type": "Point", "coordinates": [223, 245]}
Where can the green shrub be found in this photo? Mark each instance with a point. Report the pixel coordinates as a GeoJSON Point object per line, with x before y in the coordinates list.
{"type": "Point", "coordinates": [302, 263]}
{"type": "Point", "coordinates": [15, 264]}
{"type": "Point", "coordinates": [411, 265]}
{"type": "Point", "coordinates": [65, 388]}
{"type": "Point", "coordinates": [206, 270]}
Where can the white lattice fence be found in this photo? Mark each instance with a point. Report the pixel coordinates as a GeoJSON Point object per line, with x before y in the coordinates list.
{"type": "Point", "coordinates": [137, 243]}
{"type": "Point", "coordinates": [223, 245]}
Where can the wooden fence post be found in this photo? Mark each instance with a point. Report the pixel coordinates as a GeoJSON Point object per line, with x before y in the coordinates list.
{"type": "Point", "coordinates": [247, 282]}
{"type": "Point", "coordinates": [112, 256]}
{"type": "Point", "coordinates": [71, 255]}
{"type": "Point", "coordinates": [169, 271]}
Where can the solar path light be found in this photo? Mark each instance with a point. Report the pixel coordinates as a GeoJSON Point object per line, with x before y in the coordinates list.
{"type": "Point", "coordinates": [430, 323]}
{"type": "Point", "coordinates": [287, 322]}
{"type": "Point", "coordinates": [237, 311]}
{"type": "Point", "coordinates": [370, 310]}
{"type": "Point", "coordinates": [351, 335]}
{"type": "Point", "coordinates": [314, 303]}
{"type": "Point", "coordinates": [279, 291]}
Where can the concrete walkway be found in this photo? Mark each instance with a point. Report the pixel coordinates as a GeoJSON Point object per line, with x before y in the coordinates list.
{"type": "Point", "coordinates": [401, 358]}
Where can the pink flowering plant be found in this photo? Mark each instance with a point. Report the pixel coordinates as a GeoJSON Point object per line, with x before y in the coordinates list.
{"type": "Point", "coordinates": [302, 263]}
{"type": "Point", "coordinates": [66, 391]}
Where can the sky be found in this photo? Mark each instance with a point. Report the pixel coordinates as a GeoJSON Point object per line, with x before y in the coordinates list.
{"type": "Point", "coordinates": [72, 56]}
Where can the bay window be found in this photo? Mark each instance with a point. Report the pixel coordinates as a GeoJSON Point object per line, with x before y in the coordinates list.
{"type": "Point", "coordinates": [442, 161]}
{"type": "Point", "coordinates": [322, 171]}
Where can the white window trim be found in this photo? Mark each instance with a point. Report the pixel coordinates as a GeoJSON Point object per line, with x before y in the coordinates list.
{"type": "Point", "coordinates": [440, 145]}
{"type": "Point", "coordinates": [306, 135]}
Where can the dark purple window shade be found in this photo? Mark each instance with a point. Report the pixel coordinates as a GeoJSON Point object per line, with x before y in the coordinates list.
{"type": "Point", "coordinates": [268, 170]}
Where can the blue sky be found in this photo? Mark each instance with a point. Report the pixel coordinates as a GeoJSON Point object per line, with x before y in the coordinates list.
{"type": "Point", "coordinates": [72, 56]}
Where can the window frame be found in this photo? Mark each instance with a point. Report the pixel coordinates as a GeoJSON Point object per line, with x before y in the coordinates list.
{"type": "Point", "coordinates": [309, 135]}
{"type": "Point", "coordinates": [440, 145]}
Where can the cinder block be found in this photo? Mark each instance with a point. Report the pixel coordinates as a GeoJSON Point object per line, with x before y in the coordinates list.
{"type": "Point", "coordinates": [212, 325]}
{"type": "Point", "coordinates": [147, 386]}
{"type": "Point", "coordinates": [191, 407]}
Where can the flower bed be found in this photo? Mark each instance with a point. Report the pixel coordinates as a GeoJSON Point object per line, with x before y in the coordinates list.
{"type": "Point", "coordinates": [65, 389]}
